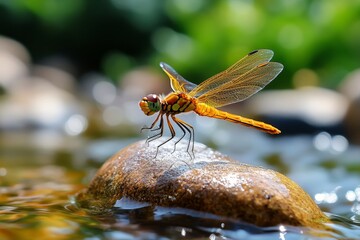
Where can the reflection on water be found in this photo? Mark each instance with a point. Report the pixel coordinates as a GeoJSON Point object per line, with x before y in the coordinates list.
{"type": "Point", "coordinates": [35, 201]}
{"type": "Point", "coordinates": [38, 188]}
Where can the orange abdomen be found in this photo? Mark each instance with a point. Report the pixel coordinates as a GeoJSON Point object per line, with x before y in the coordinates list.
{"type": "Point", "coordinates": [206, 110]}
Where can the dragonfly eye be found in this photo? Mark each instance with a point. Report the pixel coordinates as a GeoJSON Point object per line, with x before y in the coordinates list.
{"type": "Point", "coordinates": [152, 98]}
{"type": "Point", "coordinates": [150, 104]}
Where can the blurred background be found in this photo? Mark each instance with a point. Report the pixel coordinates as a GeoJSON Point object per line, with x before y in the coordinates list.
{"type": "Point", "coordinates": [72, 74]}
{"type": "Point", "coordinates": [80, 65]}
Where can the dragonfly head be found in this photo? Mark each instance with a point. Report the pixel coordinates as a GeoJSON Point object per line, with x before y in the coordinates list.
{"type": "Point", "coordinates": [150, 104]}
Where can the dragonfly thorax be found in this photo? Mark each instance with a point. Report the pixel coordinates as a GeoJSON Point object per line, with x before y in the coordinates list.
{"type": "Point", "coordinates": [150, 104]}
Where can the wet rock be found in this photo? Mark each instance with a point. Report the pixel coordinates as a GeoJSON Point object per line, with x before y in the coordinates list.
{"type": "Point", "coordinates": [352, 121]}
{"type": "Point", "coordinates": [211, 183]}
{"type": "Point", "coordinates": [317, 106]}
{"type": "Point", "coordinates": [14, 61]}
{"type": "Point", "coordinates": [350, 88]}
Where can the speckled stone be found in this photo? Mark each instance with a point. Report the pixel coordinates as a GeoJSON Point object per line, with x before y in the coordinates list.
{"type": "Point", "coordinates": [211, 183]}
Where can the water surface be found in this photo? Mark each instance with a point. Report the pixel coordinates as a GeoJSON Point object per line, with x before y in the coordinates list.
{"type": "Point", "coordinates": [39, 179]}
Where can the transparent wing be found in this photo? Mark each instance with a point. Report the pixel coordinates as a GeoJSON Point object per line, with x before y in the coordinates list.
{"type": "Point", "coordinates": [239, 87]}
{"type": "Point", "coordinates": [177, 82]}
{"type": "Point", "coordinates": [242, 66]}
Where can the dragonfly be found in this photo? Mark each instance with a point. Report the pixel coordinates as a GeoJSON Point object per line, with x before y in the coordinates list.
{"type": "Point", "coordinates": [243, 79]}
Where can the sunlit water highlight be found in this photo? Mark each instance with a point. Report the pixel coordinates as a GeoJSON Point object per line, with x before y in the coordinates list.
{"type": "Point", "coordinates": [38, 188]}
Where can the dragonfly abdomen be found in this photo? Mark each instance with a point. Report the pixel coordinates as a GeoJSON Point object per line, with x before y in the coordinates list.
{"type": "Point", "coordinates": [206, 110]}
{"type": "Point", "coordinates": [177, 103]}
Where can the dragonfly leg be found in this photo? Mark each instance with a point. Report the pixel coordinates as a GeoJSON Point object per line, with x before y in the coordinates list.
{"type": "Point", "coordinates": [191, 132]}
{"type": "Point", "coordinates": [182, 129]}
{"type": "Point", "coordinates": [157, 128]}
{"type": "Point", "coordinates": [159, 134]}
{"type": "Point", "coordinates": [172, 131]}
{"type": "Point", "coordinates": [153, 124]}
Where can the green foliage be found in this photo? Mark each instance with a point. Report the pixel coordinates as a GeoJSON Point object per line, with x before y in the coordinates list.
{"type": "Point", "coordinates": [53, 13]}
{"type": "Point", "coordinates": [199, 38]}
{"type": "Point", "coordinates": [319, 35]}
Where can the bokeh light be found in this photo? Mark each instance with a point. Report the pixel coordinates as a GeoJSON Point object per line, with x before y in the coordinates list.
{"type": "Point", "coordinates": [104, 92]}
{"type": "Point", "coordinates": [76, 125]}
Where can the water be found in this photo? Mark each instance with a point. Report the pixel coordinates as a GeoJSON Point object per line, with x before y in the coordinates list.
{"type": "Point", "coordinates": [38, 182]}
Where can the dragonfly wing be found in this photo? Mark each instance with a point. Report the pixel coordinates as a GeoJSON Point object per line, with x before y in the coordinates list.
{"type": "Point", "coordinates": [177, 82]}
{"type": "Point", "coordinates": [238, 88]}
{"type": "Point", "coordinates": [242, 66]}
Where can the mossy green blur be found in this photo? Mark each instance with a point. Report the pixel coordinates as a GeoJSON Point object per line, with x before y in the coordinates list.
{"type": "Point", "coordinates": [198, 38]}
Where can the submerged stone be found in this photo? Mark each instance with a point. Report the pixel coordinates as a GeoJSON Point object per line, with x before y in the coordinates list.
{"type": "Point", "coordinates": [210, 182]}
